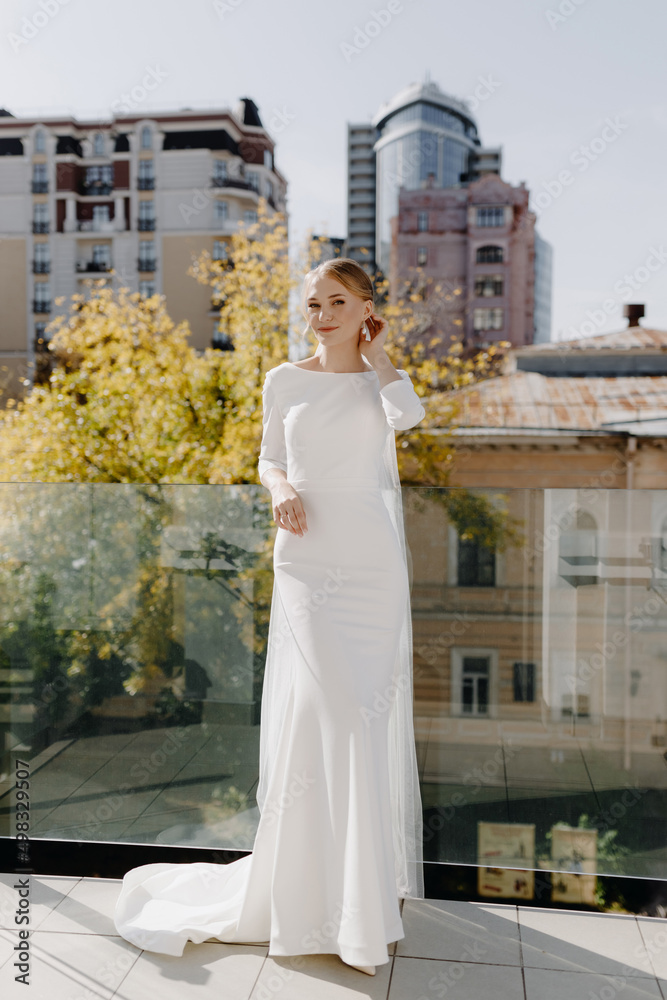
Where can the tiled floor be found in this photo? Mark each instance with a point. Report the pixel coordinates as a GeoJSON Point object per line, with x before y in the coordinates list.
{"type": "Point", "coordinates": [457, 950]}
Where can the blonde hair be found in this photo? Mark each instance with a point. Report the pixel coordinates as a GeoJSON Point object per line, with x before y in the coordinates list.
{"type": "Point", "coordinates": [348, 272]}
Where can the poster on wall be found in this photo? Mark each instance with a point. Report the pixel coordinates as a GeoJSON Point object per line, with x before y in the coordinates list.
{"type": "Point", "coordinates": [501, 849]}
{"type": "Point", "coordinates": [573, 849]}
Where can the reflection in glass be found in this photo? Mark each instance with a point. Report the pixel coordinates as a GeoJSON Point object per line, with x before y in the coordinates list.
{"type": "Point", "coordinates": [132, 644]}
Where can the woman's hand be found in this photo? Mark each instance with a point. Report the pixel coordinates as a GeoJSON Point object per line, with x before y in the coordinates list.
{"type": "Point", "coordinates": [288, 509]}
{"type": "Point", "coordinates": [373, 349]}
{"type": "Point", "coordinates": [374, 352]}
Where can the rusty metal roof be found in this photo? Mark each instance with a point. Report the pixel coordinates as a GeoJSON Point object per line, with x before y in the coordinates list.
{"type": "Point", "coordinates": [633, 338]}
{"type": "Point", "coordinates": [530, 402]}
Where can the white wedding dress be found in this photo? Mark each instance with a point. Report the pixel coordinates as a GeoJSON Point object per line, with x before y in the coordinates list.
{"type": "Point", "coordinates": [340, 837]}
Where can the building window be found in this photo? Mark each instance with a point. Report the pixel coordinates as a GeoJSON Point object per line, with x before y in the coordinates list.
{"type": "Point", "coordinates": [219, 173]}
{"type": "Point", "coordinates": [146, 175]}
{"type": "Point", "coordinates": [488, 319]}
{"type": "Point", "coordinates": [252, 178]}
{"type": "Point", "coordinates": [40, 184]}
{"type": "Point", "coordinates": [220, 211]}
{"type": "Point", "coordinates": [422, 222]}
{"type": "Point", "coordinates": [268, 187]}
{"type": "Point", "coordinates": [524, 681]}
{"type": "Point", "coordinates": [475, 672]}
{"type": "Point", "coordinates": [98, 144]}
{"type": "Point", "coordinates": [146, 215]}
{"type": "Point", "coordinates": [487, 285]}
{"type": "Point", "coordinates": [40, 332]}
{"type": "Point", "coordinates": [40, 218]}
{"type": "Point", "coordinates": [476, 564]}
{"type": "Point", "coordinates": [102, 257]}
{"type": "Point", "coordinates": [146, 260]}
{"type": "Point", "coordinates": [99, 179]}
{"type": "Point", "coordinates": [146, 289]}
{"type": "Point", "coordinates": [422, 256]}
{"type": "Point", "coordinates": [42, 302]}
{"type": "Point", "coordinates": [268, 159]}
{"type": "Point", "coordinates": [490, 255]}
{"type": "Point", "coordinates": [146, 138]}
{"type": "Point", "coordinates": [41, 259]}
{"type": "Point", "coordinates": [250, 216]}
{"type": "Point", "coordinates": [491, 215]}
{"type": "Point", "coordinates": [40, 141]}
{"type": "Point", "coordinates": [219, 250]}
{"type": "Point", "coordinates": [101, 213]}
{"type": "Point", "coordinates": [575, 705]}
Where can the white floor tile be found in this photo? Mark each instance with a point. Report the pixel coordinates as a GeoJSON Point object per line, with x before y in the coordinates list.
{"type": "Point", "coordinates": [88, 909]}
{"type": "Point", "coordinates": [582, 942]}
{"type": "Point", "coordinates": [654, 936]}
{"type": "Point", "coordinates": [46, 893]}
{"type": "Point", "coordinates": [428, 979]}
{"type": "Point", "coordinates": [318, 977]}
{"type": "Point", "coordinates": [70, 967]}
{"type": "Point", "coordinates": [549, 984]}
{"type": "Point", "coordinates": [460, 931]}
{"type": "Point", "coordinates": [217, 971]}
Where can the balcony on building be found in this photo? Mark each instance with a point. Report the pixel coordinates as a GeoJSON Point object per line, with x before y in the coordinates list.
{"type": "Point", "coordinates": [146, 183]}
{"type": "Point", "coordinates": [41, 305]}
{"type": "Point", "coordinates": [39, 187]}
{"type": "Point", "coordinates": [146, 225]}
{"type": "Point", "coordinates": [41, 266]}
{"type": "Point", "coordinates": [40, 227]}
{"type": "Point", "coordinates": [234, 182]}
{"type": "Point", "coordinates": [85, 266]}
{"type": "Point", "coordinates": [95, 188]}
{"type": "Point", "coordinates": [146, 264]}
{"type": "Point", "coordinates": [96, 226]}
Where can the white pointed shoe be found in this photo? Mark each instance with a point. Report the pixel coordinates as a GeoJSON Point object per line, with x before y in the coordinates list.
{"type": "Point", "coordinates": [368, 969]}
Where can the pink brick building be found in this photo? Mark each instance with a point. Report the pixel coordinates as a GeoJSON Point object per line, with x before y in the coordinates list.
{"type": "Point", "coordinates": [478, 243]}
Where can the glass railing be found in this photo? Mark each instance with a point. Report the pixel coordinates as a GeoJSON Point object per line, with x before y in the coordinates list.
{"type": "Point", "coordinates": [133, 637]}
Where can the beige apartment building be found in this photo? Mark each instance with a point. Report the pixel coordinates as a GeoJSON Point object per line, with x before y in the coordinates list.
{"type": "Point", "coordinates": [131, 201]}
{"type": "Point", "coordinates": [560, 635]}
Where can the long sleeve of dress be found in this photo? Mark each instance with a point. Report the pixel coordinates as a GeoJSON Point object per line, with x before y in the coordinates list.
{"type": "Point", "coordinates": [273, 452]}
{"type": "Point", "coordinates": [401, 403]}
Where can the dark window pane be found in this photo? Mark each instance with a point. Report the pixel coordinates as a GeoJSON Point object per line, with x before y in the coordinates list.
{"type": "Point", "coordinates": [476, 565]}
{"type": "Point", "coordinates": [524, 682]}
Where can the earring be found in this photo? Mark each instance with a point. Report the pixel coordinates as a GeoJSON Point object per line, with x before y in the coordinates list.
{"type": "Point", "coordinates": [366, 331]}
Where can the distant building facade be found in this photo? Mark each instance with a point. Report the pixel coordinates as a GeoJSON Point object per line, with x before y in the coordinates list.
{"type": "Point", "coordinates": [420, 131]}
{"type": "Point", "coordinates": [140, 195]}
{"type": "Point", "coordinates": [572, 441]}
{"type": "Point", "coordinates": [479, 243]}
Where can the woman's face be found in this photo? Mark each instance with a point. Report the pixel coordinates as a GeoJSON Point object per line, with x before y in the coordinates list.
{"type": "Point", "coordinates": [334, 313]}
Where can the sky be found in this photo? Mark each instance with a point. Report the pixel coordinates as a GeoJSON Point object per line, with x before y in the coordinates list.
{"type": "Point", "coordinates": [574, 91]}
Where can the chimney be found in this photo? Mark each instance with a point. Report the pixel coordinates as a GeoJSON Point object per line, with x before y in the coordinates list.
{"type": "Point", "coordinates": [633, 313]}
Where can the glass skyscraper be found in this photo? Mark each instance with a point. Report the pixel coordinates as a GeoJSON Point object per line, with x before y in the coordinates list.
{"type": "Point", "coordinates": [420, 132]}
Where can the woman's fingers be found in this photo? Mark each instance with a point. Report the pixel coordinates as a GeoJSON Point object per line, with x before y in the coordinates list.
{"type": "Point", "coordinates": [291, 516]}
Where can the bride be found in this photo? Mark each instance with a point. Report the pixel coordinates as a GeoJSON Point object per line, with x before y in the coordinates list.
{"type": "Point", "coordinates": [339, 839]}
